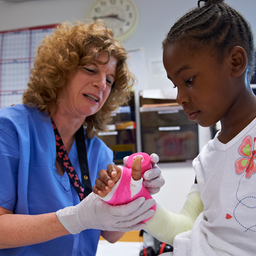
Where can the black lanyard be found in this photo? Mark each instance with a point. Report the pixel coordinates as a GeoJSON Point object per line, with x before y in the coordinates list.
{"type": "Point", "coordinates": [63, 158]}
{"type": "Point", "coordinates": [83, 162]}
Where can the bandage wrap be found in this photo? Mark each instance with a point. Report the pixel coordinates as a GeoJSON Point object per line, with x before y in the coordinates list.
{"type": "Point", "coordinates": [127, 189]}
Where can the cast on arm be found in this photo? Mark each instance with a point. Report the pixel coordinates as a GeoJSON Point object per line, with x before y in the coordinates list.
{"type": "Point", "coordinates": [130, 185]}
{"type": "Point", "coordinates": [165, 225]}
{"type": "Point", "coordinates": [106, 183]}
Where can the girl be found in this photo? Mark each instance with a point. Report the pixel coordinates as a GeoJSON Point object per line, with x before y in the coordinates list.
{"type": "Point", "coordinates": [208, 54]}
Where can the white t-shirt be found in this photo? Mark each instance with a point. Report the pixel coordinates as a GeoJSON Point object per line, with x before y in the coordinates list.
{"type": "Point", "coordinates": [226, 176]}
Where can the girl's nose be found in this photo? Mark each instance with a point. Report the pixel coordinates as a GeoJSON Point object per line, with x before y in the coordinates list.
{"type": "Point", "coordinates": [182, 97]}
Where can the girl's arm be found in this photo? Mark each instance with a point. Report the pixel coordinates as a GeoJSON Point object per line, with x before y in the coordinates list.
{"type": "Point", "coordinates": [165, 225]}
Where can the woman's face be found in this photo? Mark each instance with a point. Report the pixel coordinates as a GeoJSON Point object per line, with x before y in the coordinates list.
{"type": "Point", "coordinates": [205, 87]}
{"type": "Point", "coordinates": [88, 89]}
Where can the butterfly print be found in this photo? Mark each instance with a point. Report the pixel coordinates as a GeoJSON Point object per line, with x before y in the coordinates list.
{"type": "Point", "coordinates": [246, 162]}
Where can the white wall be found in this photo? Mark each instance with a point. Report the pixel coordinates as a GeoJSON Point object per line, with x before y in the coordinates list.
{"type": "Point", "coordinates": [155, 19]}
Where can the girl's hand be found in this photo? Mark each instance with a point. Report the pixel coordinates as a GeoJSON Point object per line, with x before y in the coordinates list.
{"type": "Point", "coordinates": [107, 179]}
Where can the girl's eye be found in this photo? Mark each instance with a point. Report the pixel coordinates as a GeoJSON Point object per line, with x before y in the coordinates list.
{"type": "Point", "coordinates": [189, 81]}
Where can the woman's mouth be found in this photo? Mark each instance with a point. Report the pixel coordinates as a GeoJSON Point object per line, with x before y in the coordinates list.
{"type": "Point", "coordinates": [91, 97]}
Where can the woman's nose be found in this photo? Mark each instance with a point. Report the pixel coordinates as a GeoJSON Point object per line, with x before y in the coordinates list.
{"type": "Point", "coordinates": [101, 82]}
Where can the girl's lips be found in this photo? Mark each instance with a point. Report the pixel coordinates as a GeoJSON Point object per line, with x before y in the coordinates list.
{"type": "Point", "coordinates": [192, 116]}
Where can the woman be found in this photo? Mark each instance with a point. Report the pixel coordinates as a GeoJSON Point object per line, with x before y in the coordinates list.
{"type": "Point", "coordinates": [79, 77]}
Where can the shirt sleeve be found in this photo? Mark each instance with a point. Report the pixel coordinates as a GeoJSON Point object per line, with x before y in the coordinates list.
{"type": "Point", "coordinates": [9, 159]}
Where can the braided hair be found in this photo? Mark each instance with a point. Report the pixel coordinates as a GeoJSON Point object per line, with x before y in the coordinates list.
{"type": "Point", "coordinates": [216, 25]}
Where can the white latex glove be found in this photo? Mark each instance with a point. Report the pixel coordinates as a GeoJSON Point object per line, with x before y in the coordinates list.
{"type": "Point", "coordinates": [153, 180]}
{"type": "Point", "coordinates": [93, 213]}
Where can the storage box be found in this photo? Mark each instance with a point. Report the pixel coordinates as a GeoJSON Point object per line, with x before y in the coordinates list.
{"type": "Point", "coordinates": [121, 139]}
{"type": "Point", "coordinates": [174, 143]}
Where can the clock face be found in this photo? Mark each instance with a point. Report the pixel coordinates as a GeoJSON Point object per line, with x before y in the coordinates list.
{"type": "Point", "coordinates": [120, 16]}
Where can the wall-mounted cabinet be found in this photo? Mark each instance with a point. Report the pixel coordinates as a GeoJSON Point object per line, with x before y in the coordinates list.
{"type": "Point", "coordinates": [166, 130]}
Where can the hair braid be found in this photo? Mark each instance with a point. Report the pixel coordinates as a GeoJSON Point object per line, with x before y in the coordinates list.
{"type": "Point", "coordinates": [216, 25]}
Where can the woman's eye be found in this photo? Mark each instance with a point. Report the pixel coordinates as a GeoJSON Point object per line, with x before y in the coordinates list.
{"type": "Point", "coordinates": [110, 82]}
{"type": "Point", "coordinates": [89, 69]}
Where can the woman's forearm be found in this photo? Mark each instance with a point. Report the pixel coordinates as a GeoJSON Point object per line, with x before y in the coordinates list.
{"type": "Point", "coordinates": [21, 230]}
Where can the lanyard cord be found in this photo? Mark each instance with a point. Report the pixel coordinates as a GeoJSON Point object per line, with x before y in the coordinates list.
{"type": "Point", "coordinates": [62, 157]}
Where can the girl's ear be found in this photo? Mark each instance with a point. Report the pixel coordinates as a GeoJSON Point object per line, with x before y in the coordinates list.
{"type": "Point", "coordinates": [238, 60]}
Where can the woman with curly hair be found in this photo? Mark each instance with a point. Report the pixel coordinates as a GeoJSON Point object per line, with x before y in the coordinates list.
{"type": "Point", "coordinates": [49, 155]}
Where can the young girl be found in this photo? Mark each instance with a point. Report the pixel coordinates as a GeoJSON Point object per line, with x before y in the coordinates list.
{"type": "Point", "coordinates": [208, 54]}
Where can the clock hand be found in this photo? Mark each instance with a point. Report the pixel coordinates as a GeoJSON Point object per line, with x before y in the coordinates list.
{"type": "Point", "coordinates": [112, 16]}
{"type": "Point", "coordinates": [119, 18]}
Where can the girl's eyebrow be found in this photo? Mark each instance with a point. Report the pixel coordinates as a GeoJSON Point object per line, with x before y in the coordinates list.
{"type": "Point", "coordinates": [184, 67]}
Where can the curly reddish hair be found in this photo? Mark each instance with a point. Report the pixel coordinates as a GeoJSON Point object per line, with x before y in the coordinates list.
{"type": "Point", "coordinates": [70, 46]}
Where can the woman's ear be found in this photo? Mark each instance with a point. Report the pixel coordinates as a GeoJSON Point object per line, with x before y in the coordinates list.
{"type": "Point", "coordinates": [238, 61]}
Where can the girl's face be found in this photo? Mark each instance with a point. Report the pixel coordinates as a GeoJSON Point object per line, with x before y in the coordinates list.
{"type": "Point", "coordinates": [205, 86]}
{"type": "Point", "coordinates": [88, 89]}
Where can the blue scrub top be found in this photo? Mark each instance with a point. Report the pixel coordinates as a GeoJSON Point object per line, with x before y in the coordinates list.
{"type": "Point", "coordinates": [30, 183]}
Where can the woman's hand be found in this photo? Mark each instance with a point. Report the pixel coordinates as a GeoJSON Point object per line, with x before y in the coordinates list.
{"type": "Point", "coordinates": [94, 213]}
{"type": "Point", "coordinates": [153, 179]}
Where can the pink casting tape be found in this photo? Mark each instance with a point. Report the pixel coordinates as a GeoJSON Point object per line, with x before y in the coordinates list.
{"type": "Point", "coordinates": [123, 193]}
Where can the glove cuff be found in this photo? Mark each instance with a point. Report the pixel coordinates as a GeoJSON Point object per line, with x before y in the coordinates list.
{"type": "Point", "coordinates": [69, 219]}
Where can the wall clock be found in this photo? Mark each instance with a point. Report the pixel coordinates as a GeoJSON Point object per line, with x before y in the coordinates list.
{"type": "Point", "coordinates": [120, 15]}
